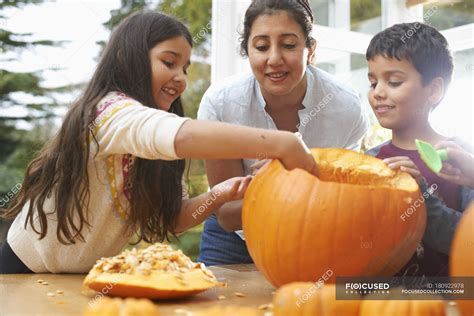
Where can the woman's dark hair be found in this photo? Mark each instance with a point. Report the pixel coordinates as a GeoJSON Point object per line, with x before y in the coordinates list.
{"type": "Point", "coordinates": [422, 45]}
{"type": "Point", "coordinates": [60, 172]}
{"type": "Point", "coordinates": [300, 10]}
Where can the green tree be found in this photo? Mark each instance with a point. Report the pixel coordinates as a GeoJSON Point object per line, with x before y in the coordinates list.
{"type": "Point", "coordinates": [13, 138]}
{"type": "Point", "coordinates": [18, 145]}
{"type": "Point", "coordinates": [447, 15]}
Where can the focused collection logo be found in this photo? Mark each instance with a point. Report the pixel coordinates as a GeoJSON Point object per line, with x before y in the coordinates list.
{"type": "Point", "coordinates": [367, 288]}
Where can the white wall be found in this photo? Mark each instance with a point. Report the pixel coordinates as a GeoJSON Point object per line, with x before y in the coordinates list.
{"type": "Point", "coordinates": [227, 23]}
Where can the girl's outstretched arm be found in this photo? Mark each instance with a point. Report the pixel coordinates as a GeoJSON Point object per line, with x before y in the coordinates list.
{"type": "Point", "coordinates": [197, 209]}
{"type": "Point", "coordinates": [216, 140]}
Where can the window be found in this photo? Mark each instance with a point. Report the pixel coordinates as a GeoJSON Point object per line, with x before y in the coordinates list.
{"type": "Point", "coordinates": [366, 16]}
{"type": "Point", "coordinates": [448, 15]}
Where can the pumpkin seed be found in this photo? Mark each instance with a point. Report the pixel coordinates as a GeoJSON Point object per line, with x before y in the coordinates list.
{"type": "Point", "coordinates": [264, 306]}
{"type": "Point", "coordinates": [153, 259]}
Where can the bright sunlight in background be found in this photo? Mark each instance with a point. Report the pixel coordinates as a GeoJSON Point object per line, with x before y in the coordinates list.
{"type": "Point", "coordinates": [454, 116]}
{"type": "Point", "coordinates": [80, 24]}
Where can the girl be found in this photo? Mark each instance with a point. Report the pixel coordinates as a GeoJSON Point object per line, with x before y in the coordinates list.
{"type": "Point", "coordinates": [115, 167]}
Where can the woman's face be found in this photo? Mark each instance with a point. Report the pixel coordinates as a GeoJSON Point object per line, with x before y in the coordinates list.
{"type": "Point", "coordinates": [277, 53]}
{"type": "Point", "coordinates": [169, 61]}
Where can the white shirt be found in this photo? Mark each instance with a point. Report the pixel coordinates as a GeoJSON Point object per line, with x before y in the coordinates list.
{"type": "Point", "coordinates": [332, 114]}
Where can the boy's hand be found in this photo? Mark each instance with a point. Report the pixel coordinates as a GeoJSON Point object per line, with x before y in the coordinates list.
{"type": "Point", "coordinates": [404, 164]}
{"type": "Point", "coordinates": [231, 189]}
{"type": "Point", "coordinates": [459, 168]}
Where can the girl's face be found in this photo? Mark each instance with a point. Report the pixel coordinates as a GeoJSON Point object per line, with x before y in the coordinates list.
{"type": "Point", "coordinates": [169, 61]}
{"type": "Point", "coordinates": [277, 53]}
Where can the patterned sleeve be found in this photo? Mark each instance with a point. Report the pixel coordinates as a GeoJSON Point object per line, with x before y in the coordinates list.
{"type": "Point", "coordinates": [125, 126]}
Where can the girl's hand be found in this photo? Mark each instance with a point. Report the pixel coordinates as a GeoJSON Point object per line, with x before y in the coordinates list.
{"type": "Point", "coordinates": [231, 189]}
{"type": "Point", "coordinates": [297, 155]}
{"type": "Point", "coordinates": [459, 168]}
{"type": "Point", "coordinates": [404, 164]}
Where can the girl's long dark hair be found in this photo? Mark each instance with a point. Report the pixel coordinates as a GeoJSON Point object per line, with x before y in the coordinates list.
{"type": "Point", "coordinates": [60, 171]}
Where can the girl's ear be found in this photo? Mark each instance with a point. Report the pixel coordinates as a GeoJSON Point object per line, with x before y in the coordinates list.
{"type": "Point", "coordinates": [436, 90]}
{"type": "Point", "coordinates": [311, 52]}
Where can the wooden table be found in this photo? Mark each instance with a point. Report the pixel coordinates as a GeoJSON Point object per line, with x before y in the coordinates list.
{"type": "Point", "coordinates": [23, 295]}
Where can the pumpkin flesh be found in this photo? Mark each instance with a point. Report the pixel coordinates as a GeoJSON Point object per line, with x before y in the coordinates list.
{"type": "Point", "coordinates": [156, 272]}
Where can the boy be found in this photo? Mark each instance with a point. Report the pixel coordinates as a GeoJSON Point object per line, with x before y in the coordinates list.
{"type": "Point", "coordinates": [409, 72]}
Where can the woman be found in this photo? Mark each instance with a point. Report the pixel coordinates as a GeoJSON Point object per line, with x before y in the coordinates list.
{"type": "Point", "coordinates": [284, 92]}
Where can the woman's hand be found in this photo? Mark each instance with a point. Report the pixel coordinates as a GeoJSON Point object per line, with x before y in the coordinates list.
{"type": "Point", "coordinates": [231, 189]}
{"type": "Point", "coordinates": [459, 168]}
{"type": "Point", "coordinates": [404, 164]}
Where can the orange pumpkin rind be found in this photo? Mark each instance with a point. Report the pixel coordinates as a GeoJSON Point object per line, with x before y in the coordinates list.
{"type": "Point", "coordinates": [461, 261]}
{"type": "Point", "coordinates": [118, 307]}
{"type": "Point", "coordinates": [359, 218]}
{"type": "Point", "coordinates": [307, 298]}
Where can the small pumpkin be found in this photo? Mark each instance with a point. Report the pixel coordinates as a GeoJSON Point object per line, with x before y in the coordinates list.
{"type": "Point", "coordinates": [121, 307]}
{"type": "Point", "coordinates": [359, 218]}
{"type": "Point", "coordinates": [428, 305]}
{"type": "Point", "coordinates": [308, 299]}
{"type": "Point", "coordinates": [231, 310]}
{"type": "Point", "coordinates": [157, 272]}
{"type": "Point", "coordinates": [462, 255]}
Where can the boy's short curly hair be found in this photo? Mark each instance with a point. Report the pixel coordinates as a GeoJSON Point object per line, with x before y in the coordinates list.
{"type": "Point", "coordinates": [424, 46]}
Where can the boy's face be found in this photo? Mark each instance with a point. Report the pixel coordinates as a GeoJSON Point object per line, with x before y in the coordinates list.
{"type": "Point", "coordinates": [397, 95]}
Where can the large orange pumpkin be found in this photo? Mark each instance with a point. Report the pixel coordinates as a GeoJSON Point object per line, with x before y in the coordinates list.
{"type": "Point", "coordinates": [308, 299]}
{"type": "Point", "coordinates": [462, 255]}
{"type": "Point", "coordinates": [359, 218]}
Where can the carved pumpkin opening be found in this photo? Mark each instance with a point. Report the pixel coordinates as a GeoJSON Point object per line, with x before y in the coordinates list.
{"type": "Point", "coordinates": [345, 167]}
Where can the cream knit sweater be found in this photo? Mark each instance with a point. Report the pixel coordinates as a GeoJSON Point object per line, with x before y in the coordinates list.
{"type": "Point", "coordinates": [124, 129]}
